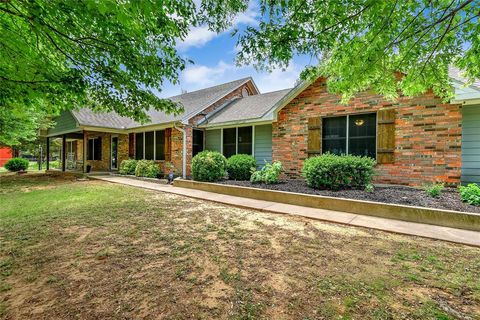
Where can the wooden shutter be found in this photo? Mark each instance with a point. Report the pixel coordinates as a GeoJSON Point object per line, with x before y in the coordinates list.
{"type": "Point", "coordinates": [314, 147]}
{"type": "Point", "coordinates": [386, 136]}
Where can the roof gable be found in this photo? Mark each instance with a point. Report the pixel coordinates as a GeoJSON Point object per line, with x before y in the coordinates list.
{"type": "Point", "coordinates": [193, 103]}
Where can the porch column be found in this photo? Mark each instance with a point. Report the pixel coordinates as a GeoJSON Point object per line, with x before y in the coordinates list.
{"type": "Point", "coordinates": [85, 141]}
{"type": "Point", "coordinates": [48, 153]}
{"type": "Point", "coordinates": [64, 151]}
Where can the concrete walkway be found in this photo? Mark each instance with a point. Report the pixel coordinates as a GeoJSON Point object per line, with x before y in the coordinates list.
{"type": "Point", "coordinates": [409, 228]}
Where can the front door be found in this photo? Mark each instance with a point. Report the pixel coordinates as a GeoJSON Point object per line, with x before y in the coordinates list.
{"type": "Point", "coordinates": [114, 155]}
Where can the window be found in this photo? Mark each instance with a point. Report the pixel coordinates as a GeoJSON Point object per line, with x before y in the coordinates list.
{"type": "Point", "coordinates": [237, 141]}
{"type": "Point", "coordinates": [160, 145]}
{"type": "Point", "coordinates": [149, 147]}
{"type": "Point", "coordinates": [229, 142]}
{"type": "Point", "coordinates": [197, 144]}
{"type": "Point", "coordinates": [245, 140]}
{"type": "Point", "coordinates": [94, 149]}
{"type": "Point", "coordinates": [139, 146]}
{"type": "Point", "coordinates": [355, 134]}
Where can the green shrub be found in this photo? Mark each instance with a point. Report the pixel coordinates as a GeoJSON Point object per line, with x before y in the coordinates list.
{"type": "Point", "coordinates": [147, 168]}
{"type": "Point", "coordinates": [17, 164]}
{"type": "Point", "coordinates": [208, 166]}
{"type": "Point", "coordinates": [435, 190]}
{"type": "Point", "coordinates": [470, 194]}
{"type": "Point", "coordinates": [128, 166]}
{"type": "Point", "coordinates": [370, 188]}
{"type": "Point", "coordinates": [240, 166]}
{"type": "Point", "coordinates": [269, 174]}
{"type": "Point", "coordinates": [333, 172]}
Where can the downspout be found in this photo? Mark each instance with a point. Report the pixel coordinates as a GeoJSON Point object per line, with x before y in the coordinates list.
{"type": "Point", "coordinates": [184, 151]}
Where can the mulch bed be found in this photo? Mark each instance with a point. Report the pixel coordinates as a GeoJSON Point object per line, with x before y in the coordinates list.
{"type": "Point", "coordinates": [449, 199]}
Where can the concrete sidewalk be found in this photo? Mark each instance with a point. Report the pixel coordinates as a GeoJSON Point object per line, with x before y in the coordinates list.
{"type": "Point", "coordinates": [409, 228]}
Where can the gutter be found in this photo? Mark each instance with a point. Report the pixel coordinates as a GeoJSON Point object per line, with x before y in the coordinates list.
{"type": "Point", "coordinates": [184, 150]}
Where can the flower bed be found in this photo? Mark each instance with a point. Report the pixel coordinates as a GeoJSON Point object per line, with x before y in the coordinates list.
{"type": "Point", "coordinates": [448, 200]}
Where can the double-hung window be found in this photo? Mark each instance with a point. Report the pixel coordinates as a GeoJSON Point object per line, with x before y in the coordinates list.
{"type": "Point", "coordinates": [150, 145]}
{"type": "Point", "coordinates": [237, 141]}
{"type": "Point", "coordinates": [94, 149]}
{"type": "Point", "coordinates": [351, 134]}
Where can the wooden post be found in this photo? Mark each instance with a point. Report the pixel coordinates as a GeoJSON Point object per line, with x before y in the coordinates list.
{"type": "Point", "coordinates": [85, 142]}
{"type": "Point", "coordinates": [48, 153]}
{"type": "Point", "coordinates": [64, 151]}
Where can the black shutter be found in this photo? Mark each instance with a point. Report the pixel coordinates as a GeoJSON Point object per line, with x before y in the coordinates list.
{"type": "Point", "coordinates": [90, 149]}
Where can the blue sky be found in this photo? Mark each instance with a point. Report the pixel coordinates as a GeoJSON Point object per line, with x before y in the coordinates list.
{"type": "Point", "coordinates": [214, 57]}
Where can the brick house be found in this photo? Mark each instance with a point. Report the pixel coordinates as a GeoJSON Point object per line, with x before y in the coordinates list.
{"type": "Point", "coordinates": [101, 141]}
{"type": "Point", "coordinates": [415, 140]}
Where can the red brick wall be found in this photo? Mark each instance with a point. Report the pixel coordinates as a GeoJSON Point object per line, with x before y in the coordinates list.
{"type": "Point", "coordinates": [427, 134]}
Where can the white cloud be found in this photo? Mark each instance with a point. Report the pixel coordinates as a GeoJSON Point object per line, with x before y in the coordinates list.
{"type": "Point", "coordinates": [201, 76]}
{"type": "Point", "coordinates": [199, 36]}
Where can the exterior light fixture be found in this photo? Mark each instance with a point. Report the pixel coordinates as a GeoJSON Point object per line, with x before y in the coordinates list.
{"type": "Point", "coordinates": [359, 122]}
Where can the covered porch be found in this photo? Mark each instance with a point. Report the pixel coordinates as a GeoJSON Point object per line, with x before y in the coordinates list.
{"type": "Point", "coordinates": [86, 151]}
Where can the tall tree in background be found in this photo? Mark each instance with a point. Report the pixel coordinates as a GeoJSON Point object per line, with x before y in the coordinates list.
{"type": "Point", "coordinates": [360, 44]}
{"type": "Point", "coordinates": [109, 54]}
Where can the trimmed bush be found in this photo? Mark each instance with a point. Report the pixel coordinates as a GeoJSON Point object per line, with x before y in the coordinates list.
{"type": "Point", "coordinates": [333, 172]}
{"type": "Point", "coordinates": [269, 174]}
{"type": "Point", "coordinates": [128, 166]}
{"type": "Point", "coordinates": [208, 166]}
{"type": "Point", "coordinates": [147, 168]}
{"type": "Point", "coordinates": [470, 194]}
{"type": "Point", "coordinates": [240, 166]}
{"type": "Point", "coordinates": [17, 164]}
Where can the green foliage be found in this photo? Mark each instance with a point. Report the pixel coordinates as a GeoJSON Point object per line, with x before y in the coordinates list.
{"type": "Point", "coordinates": [128, 167]}
{"type": "Point", "coordinates": [107, 55]}
{"type": "Point", "coordinates": [269, 174]}
{"type": "Point", "coordinates": [470, 194]}
{"type": "Point", "coordinates": [333, 172]}
{"type": "Point", "coordinates": [208, 166]}
{"type": "Point", "coordinates": [369, 188]}
{"type": "Point", "coordinates": [147, 168]}
{"type": "Point", "coordinates": [434, 190]}
{"type": "Point", "coordinates": [240, 166]}
{"type": "Point", "coordinates": [361, 44]}
{"type": "Point", "coordinates": [17, 164]}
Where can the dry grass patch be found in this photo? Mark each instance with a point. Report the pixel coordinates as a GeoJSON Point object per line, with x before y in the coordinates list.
{"type": "Point", "coordinates": [97, 250]}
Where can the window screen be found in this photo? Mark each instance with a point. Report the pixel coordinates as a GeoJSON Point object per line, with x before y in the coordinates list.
{"type": "Point", "coordinates": [160, 145]}
{"type": "Point", "coordinates": [229, 142]}
{"type": "Point", "coordinates": [149, 145]}
{"type": "Point", "coordinates": [139, 146]}
{"type": "Point", "coordinates": [362, 135]}
{"type": "Point", "coordinates": [94, 149]}
{"type": "Point", "coordinates": [334, 135]}
{"type": "Point", "coordinates": [245, 140]}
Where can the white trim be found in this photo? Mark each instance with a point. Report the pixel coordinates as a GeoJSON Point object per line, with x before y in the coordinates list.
{"type": "Point", "coordinates": [143, 140]}
{"type": "Point", "coordinates": [233, 124]}
{"type": "Point", "coordinates": [347, 133]}
{"type": "Point", "coordinates": [111, 151]}
{"type": "Point", "coordinates": [236, 140]}
{"type": "Point", "coordinates": [155, 145]}
{"type": "Point", "coordinates": [253, 141]}
{"type": "Point", "coordinates": [221, 140]}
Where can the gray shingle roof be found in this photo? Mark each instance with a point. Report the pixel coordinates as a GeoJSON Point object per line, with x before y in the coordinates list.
{"type": "Point", "coordinates": [255, 107]}
{"type": "Point", "coordinates": [193, 103]}
{"type": "Point", "coordinates": [456, 74]}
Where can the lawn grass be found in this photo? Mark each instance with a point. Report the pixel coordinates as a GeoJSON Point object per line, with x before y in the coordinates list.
{"type": "Point", "coordinates": [91, 249]}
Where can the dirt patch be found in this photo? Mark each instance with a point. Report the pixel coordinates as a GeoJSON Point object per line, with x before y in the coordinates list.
{"type": "Point", "coordinates": [129, 253]}
{"type": "Point", "coordinates": [449, 199]}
